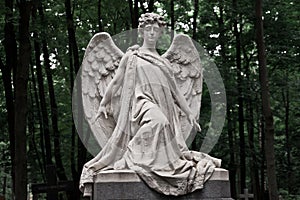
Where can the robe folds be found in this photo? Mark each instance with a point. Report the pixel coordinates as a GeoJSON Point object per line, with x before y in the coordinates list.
{"type": "Point", "coordinates": [147, 137]}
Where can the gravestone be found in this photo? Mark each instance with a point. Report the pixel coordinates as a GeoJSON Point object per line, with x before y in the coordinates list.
{"type": "Point", "coordinates": [246, 195]}
{"type": "Point", "coordinates": [126, 184]}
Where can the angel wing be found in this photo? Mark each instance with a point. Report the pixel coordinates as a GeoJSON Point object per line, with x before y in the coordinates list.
{"type": "Point", "coordinates": [188, 72]}
{"type": "Point", "coordinates": [99, 66]}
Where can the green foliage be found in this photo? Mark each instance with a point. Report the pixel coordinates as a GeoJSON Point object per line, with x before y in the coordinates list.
{"type": "Point", "coordinates": [215, 33]}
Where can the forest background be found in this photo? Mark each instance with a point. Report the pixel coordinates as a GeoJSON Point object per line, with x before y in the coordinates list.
{"type": "Point", "coordinates": [255, 45]}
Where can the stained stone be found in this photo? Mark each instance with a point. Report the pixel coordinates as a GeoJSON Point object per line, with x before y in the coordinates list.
{"type": "Point", "coordinates": [125, 184]}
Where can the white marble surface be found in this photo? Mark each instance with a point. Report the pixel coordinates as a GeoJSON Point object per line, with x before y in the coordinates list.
{"type": "Point", "coordinates": [147, 105]}
{"type": "Point", "coordinates": [131, 176]}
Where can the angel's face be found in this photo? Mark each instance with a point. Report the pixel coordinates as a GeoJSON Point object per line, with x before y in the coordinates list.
{"type": "Point", "coordinates": [151, 33]}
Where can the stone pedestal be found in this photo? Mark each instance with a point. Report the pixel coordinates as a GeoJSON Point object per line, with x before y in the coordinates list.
{"type": "Point", "coordinates": [125, 184]}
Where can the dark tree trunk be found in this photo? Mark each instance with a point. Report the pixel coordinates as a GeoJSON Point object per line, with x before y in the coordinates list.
{"type": "Point", "coordinates": [71, 34]}
{"type": "Point", "coordinates": [232, 164]}
{"type": "Point", "coordinates": [130, 4]}
{"type": "Point", "coordinates": [135, 23]}
{"type": "Point", "coordinates": [172, 16]}
{"type": "Point", "coordinates": [10, 46]}
{"type": "Point", "coordinates": [54, 115]}
{"type": "Point", "coordinates": [250, 129]}
{"type": "Point", "coordinates": [33, 150]}
{"type": "Point", "coordinates": [53, 105]}
{"type": "Point", "coordinates": [40, 80]}
{"type": "Point", "coordinates": [74, 61]}
{"type": "Point", "coordinates": [70, 20]}
{"type": "Point", "coordinates": [74, 171]}
{"type": "Point", "coordinates": [267, 112]}
{"type": "Point", "coordinates": [262, 153]}
{"type": "Point", "coordinates": [151, 6]}
{"type": "Point", "coordinates": [230, 130]}
{"type": "Point", "coordinates": [21, 102]}
{"type": "Point", "coordinates": [73, 137]}
{"type": "Point", "coordinates": [100, 16]}
{"type": "Point", "coordinates": [237, 34]}
{"type": "Point", "coordinates": [39, 119]}
{"type": "Point", "coordinates": [286, 103]}
{"type": "Point", "coordinates": [134, 13]}
{"type": "Point", "coordinates": [195, 16]}
{"type": "Point", "coordinates": [254, 163]}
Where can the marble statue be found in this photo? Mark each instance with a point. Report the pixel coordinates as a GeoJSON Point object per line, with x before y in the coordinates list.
{"type": "Point", "coordinates": [142, 107]}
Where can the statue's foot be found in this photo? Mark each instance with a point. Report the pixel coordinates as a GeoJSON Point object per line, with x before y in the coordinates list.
{"type": "Point", "coordinates": [88, 189]}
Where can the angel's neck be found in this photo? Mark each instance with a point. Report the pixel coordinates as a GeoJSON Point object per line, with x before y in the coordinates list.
{"type": "Point", "coordinates": [147, 49]}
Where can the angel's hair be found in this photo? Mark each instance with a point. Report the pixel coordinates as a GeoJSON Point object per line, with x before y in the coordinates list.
{"type": "Point", "coordinates": [150, 18]}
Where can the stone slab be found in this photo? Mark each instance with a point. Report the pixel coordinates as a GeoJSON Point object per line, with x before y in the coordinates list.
{"type": "Point", "coordinates": [131, 176]}
{"type": "Point", "coordinates": [117, 176]}
{"type": "Point", "coordinates": [125, 184]}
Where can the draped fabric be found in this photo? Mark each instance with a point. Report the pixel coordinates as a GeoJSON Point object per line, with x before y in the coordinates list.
{"type": "Point", "coordinates": [147, 137]}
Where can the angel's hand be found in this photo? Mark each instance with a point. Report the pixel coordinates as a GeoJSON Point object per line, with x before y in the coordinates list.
{"type": "Point", "coordinates": [101, 110]}
{"type": "Point", "coordinates": [194, 122]}
{"type": "Point", "coordinates": [133, 48]}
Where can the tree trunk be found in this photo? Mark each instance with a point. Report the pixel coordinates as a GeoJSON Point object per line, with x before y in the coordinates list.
{"type": "Point", "coordinates": [40, 79]}
{"type": "Point", "coordinates": [250, 128]}
{"type": "Point", "coordinates": [151, 6]}
{"type": "Point", "coordinates": [254, 165]}
{"type": "Point", "coordinates": [134, 13]}
{"type": "Point", "coordinates": [241, 120]}
{"type": "Point", "coordinates": [10, 46]}
{"type": "Point", "coordinates": [261, 126]}
{"type": "Point", "coordinates": [267, 112]}
{"type": "Point", "coordinates": [130, 4]}
{"type": "Point", "coordinates": [33, 150]}
{"type": "Point", "coordinates": [74, 61]}
{"type": "Point", "coordinates": [54, 115]}
{"type": "Point", "coordinates": [286, 102]}
{"type": "Point", "coordinates": [195, 16]}
{"type": "Point", "coordinates": [100, 16]}
{"type": "Point", "coordinates": [53, 105]}
{"type": "Point", "coordinates": [135, 23]}
{"type": "Point", "coordinates": [172, 16]}
{"type": "Point", "coordinates": [21, 102]}
{"type": "Point", "coordinates": [230, 130]}
{"type": "Point", "coordinates": [37, 105]}
{"type": "Point", "coordinates": [71, 34]}
{"type": "Point", "coordinates": [73, 137]}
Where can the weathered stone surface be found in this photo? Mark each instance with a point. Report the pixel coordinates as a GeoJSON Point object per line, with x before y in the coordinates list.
{"type": "Point", "coordinates": [125, 184]}
{"type": "Point", "coordinates": [143, 109]}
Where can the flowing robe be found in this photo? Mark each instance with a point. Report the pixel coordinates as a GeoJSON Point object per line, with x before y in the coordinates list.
{"type": "Point", "coordinates": [147, 137]}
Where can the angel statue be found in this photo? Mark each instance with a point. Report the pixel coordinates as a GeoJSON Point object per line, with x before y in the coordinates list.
{"type": "Point", "coordinates": [142, 106]}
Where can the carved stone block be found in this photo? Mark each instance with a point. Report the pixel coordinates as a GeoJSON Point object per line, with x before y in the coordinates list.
{"type": "Point", "coordinates": [125, 184]}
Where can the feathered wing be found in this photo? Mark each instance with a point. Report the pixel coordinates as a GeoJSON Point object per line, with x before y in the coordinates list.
{"type": "Point", "coordinates": [188, 71]}
{"type": "Point", "coordinates": [99, 66]}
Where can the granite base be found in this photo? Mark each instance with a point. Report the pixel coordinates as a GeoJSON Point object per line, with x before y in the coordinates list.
{"type": "Point", "coordinates": [125, 184]}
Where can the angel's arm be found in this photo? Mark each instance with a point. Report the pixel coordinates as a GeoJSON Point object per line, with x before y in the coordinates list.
{"type": "Point", "coordinates": [179, 98]}
{"type": "Point", "coordinates": [181, 101]}
{"type": "Point", "coordinates": [184, 106]}
{"type": "Point", "coordinates": [115, 82]}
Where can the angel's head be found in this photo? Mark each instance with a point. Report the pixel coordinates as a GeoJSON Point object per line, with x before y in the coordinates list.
{"type": "Point", "coordinates": [151, 26]}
